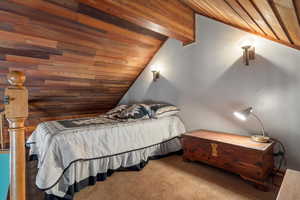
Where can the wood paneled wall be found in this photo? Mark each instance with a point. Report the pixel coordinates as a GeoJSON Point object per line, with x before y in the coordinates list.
{"type": "Point", "coordinates": [78, 60]}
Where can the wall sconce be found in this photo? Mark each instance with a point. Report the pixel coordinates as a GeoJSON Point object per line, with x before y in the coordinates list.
{"type": "Point", "coordinates": [249, 50]}
{"type": "Point", "coordinates": [155, 71]}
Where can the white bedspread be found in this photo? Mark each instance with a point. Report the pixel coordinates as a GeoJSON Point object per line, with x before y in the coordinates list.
{"type": "Point", "coordinates": [61, 145]}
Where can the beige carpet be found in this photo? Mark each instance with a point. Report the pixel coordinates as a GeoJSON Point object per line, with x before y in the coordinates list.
{"type": "Point", "coordinates": [173, 179]}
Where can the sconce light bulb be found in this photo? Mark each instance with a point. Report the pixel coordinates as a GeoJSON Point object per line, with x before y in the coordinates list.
{"type": "Point", "coordinates": [155, 69]}
{"type": "Point", "coordinates": [247, 42]}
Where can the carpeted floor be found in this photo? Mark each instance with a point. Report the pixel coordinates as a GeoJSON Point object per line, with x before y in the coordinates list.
{"type": "Point", "coordinates": [173, 179]}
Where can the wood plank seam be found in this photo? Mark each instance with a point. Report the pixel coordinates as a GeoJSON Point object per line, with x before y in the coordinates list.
{"type": "Point", "coordinates": [297, 8]}
{"type": "Point", "coordinates": [265, 20]}
{"type": "Point", "coordinates": [245, 10]}
{"type": "Point", "coordinates": [276, 13]}
{"type": "Point", "coordinates": [239, 15]}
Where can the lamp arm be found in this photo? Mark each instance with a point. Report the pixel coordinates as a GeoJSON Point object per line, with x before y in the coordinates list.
{"type": "Point", "coordinates": [260, 122]}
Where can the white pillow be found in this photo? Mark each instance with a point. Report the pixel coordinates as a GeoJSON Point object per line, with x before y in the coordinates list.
{"type": "Point", "coordinates": [168, 113]}
{"type": "Point", "coordinates": [163, 110]}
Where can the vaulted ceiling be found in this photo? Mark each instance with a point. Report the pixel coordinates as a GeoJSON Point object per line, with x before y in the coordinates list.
{"type": "Point", "coordinates": [81, 56]}
{"type": "Point", "coordinates": [277, 20]}
{"type": "Point", "coordinates": [167, 17]}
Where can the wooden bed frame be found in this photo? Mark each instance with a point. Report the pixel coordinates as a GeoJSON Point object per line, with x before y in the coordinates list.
{"type": "Point", "coordinates": [16, 112]}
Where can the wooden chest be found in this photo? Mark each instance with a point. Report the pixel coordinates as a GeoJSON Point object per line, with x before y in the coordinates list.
{"type": "Point", "coordinates": [239, 154]}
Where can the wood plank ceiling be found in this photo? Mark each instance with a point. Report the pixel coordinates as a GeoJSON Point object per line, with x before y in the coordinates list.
{"type": "Point", "coordinates": [167, 17]}
{"type": "Point", "coordinates": [79, 60]}
{"type": "Point", "coordinates": [277, 20]}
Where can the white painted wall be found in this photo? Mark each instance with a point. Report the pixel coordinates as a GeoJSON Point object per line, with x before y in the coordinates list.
{"type": "Point", "coordinates": [209, 81]}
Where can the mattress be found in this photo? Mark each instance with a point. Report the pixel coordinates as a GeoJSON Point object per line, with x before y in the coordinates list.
{"type": "Point", "coordinates": [70, 151]}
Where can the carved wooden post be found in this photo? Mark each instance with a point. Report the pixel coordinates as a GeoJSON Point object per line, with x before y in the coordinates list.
{"type": "Point", "coordinates": [16, 112]}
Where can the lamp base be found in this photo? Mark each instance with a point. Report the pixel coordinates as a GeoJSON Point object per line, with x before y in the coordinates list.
{"type": "Point", "coordinates": [260, 138]}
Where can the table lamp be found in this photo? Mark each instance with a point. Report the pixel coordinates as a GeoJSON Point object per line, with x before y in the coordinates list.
{"type": "Point", "coordinates": [244, 115]}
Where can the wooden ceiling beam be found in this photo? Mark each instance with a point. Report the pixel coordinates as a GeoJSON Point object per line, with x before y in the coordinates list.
{"type": "Point", "coordinates": [195, 5]}
{"type": "Point", "coordinates": [286, 10]}
{"type": "Point", "coordinates": [254, 21]}
{"type": "Point", "coordinates": [236, 6]}
{"type": "Point", "coordinates": [213, 9]}
{"type": "Point", "coordinates": [276, 13]}
{"type": "Point", "coordinates": [251, 10]}
{"type": "Point", "coordinates": [237, 13]}
{"type": "Point", "coordinates": [297, 9]}
{"type": "Point", "coordinates": [203, 6]}
{"type": "Point", "coordinates": [228, 13]}
{"type": "Point", "coordinates": [265, 20]}
{"type": "Point", "coordinates": [266, 10]}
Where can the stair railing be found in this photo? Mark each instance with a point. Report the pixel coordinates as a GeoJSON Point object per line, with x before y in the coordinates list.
{"type": "Point", "coordinates": [16, 112]}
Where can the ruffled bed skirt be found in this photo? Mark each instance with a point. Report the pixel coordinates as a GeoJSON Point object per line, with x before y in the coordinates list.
{"type": "Point", "coordinates": [87, 172]}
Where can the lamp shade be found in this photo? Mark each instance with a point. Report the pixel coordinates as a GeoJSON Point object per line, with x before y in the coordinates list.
{"type": "Point", "coordinates": [243, 114]}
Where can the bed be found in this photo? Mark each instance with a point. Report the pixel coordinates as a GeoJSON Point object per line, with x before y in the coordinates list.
{"type": "Point", "coordinates": [75, 153]}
